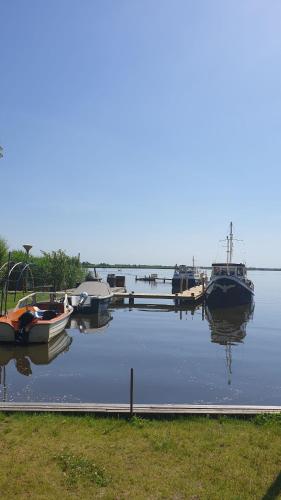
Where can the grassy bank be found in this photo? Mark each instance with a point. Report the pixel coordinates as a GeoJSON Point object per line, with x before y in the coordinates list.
{"type": "Point", "coordinates": [56, 456]}
{"type": "Point", "coordinates": [12, 300]}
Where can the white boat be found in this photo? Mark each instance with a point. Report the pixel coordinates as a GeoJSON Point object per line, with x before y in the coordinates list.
{"type": "Point", "coordinates": [90, 297]}
{"type": "Point", "coordinates": [35, 321]}
{"type": "Point", "coordinates": [229, 285]}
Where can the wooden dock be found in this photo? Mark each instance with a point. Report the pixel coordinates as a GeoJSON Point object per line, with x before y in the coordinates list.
{"type": "Point", "coordinates": [152, 278]}
{"type": "Point", "coordinates": [139, 409]}
{"type": "Point", "coordinates": [191, 296]}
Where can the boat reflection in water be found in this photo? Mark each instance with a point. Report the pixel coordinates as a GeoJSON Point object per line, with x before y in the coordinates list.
{"type": "Point", "coordinates": [228, 328]}
{"type": "Point", "coordinates": [91, 323]}
{"type": "Point", "coordinates": [38, 354]}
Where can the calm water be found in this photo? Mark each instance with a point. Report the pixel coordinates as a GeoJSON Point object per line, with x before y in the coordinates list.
{"type": "Point", "coordinates": [230, 356]}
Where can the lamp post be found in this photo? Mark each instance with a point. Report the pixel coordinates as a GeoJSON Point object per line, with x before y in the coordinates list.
{"type": "Point", "coordinates": [27, 249]}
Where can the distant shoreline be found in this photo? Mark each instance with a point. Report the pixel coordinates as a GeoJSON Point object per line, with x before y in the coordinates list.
{"type": "Point", "coordinates": [139, 266]}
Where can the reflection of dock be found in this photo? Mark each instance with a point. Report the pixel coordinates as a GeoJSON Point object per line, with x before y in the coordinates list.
{"type": "Point", "coordinates": [182, 308]}
{"type": "Point", "coordinates": [191, 296]}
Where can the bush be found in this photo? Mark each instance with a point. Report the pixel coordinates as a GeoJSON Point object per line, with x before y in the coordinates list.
{"type": "Point", "coordinates": [3, 251]}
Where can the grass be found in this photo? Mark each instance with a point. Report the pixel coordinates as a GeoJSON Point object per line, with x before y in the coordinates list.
{"type": "Point", "coordinates": [57, 456]}
{"type": "Point", "coordinates": [12, 301]}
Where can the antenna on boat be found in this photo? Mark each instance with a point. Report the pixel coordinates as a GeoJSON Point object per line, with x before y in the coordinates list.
{"type": "Point", "coordinates": [230, 243]}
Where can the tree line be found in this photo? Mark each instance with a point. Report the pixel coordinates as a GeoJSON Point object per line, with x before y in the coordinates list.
{"type": "Point", "coordinates": [53, 270]}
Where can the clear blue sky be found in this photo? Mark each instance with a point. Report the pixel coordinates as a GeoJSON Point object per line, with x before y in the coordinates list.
{"type": "Point", "coordinates": [135, 130]}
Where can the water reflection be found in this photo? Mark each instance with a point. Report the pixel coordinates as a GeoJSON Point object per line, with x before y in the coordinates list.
{"type": "Point", "coordinates": [91, 323]}
{"type": "Point", "coordinates": [38, 354]}
{"type": "Point", "coordinates": [228, 328]}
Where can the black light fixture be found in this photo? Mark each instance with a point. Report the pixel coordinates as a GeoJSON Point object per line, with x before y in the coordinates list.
{"type": "Point", "coordinates": [27, 248]}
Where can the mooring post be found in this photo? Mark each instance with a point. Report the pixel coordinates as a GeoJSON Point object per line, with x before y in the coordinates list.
{"type": "Point", "coordinates": [131, 392]}
{"type": "Point", "coordinates": [131, 299]}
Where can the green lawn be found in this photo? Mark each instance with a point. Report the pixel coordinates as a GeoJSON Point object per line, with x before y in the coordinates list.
{"type": "Point", "coordinates": [12, 300]}
{"type": "Point", "coordinates": [57, 456]}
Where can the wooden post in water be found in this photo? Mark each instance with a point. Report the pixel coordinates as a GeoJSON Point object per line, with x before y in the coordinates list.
{"type": "Point", "coordinates": [131, 392]}
{"type": "Point", "coordinates": [131, 299]}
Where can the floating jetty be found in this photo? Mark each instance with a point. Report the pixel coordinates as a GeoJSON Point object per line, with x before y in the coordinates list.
{"type": "Point", "coordinates": [152, 277]}
{"type": "Point", "coordinates": [139, 409]}
{"type": "Point", "coordinates": [191, 296]}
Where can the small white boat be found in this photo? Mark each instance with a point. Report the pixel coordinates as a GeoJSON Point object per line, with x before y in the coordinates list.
{"type": "Point", "coordinates": [90, 297]}
{"type": "Point", "coordinates": [33, 321]}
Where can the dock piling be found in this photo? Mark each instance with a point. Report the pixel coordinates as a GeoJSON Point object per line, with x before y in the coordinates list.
{"type": "Point", "coordinates": [131, 392]}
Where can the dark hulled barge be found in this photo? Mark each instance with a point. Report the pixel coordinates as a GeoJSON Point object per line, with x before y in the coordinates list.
{"type": "Point", "coordinates": [229, 285]}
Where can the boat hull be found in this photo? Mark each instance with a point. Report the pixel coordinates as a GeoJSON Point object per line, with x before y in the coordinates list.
{"type": "Point", "coordinates": [95, 305]}
{"type": "Point", "coordinates": [228, 292]}
{"type": "Point", "coordinates": [41, 332]}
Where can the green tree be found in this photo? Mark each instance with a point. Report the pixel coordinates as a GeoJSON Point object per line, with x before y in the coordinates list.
{"type": "Point", "coordinates": [61, 270]}
{"type": "Point", "coordinates": [3, 251]}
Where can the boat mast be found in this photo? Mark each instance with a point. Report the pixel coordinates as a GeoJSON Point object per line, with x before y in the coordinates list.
{"type": "Point", "coordinates": [227, 250]}
{"type": "Point", "coordinates": [230, 244]}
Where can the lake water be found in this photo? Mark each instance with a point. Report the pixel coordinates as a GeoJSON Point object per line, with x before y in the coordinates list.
{"type": "Point", "coordinates": [230, 356]}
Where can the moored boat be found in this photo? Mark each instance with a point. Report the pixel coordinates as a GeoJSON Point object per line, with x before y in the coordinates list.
{"type": "Point", "coordinates": [34, 321]}
{"type": "Point", "coordinates": [229, 285]}
{"type": "Point", "coordinates": [90, 297]}
{"type": "Point", "coordinates": [185, 277]}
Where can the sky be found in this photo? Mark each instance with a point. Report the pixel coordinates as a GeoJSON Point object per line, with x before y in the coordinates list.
{"type": "Point", "coordinates": [134, 131]}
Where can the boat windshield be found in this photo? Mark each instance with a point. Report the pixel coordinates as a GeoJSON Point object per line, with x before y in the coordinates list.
{"type": "Point", "coordinates": [228, 270]}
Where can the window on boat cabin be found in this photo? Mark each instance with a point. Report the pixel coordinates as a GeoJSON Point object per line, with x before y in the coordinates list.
{"type": "Point", "coordinates": [240, 271]}
{"type": "Point", "coordinates": [224, 271]}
